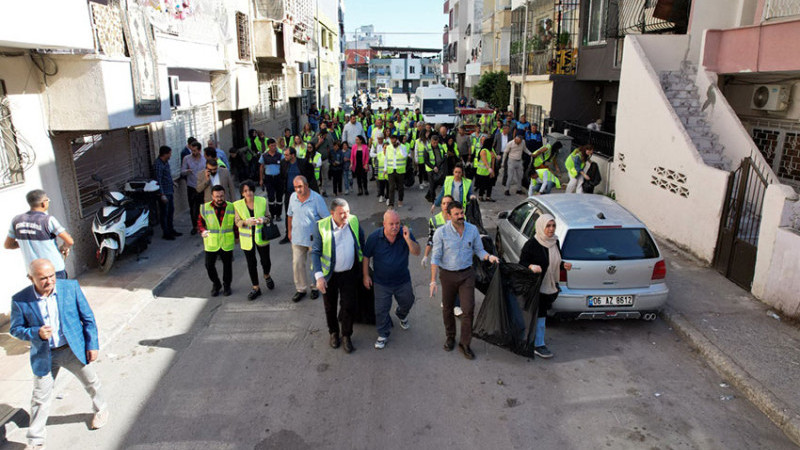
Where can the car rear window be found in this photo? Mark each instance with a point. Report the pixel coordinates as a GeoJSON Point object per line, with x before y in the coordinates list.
{"type": "Point", "coordinates": [608, 244]}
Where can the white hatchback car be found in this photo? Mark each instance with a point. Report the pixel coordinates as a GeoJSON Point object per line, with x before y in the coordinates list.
{"type": "Point", "coordinates": [617, 268]}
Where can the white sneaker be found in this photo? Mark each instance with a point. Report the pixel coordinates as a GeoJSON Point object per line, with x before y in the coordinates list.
{"type": "Point", "coordinates": [457, 311]}
{"type": "Point", "coordinates": [381, 342]}
{"type": "Point", "coordinates": [100, 419]}
{"type": "Point", "coordinates": [441, 305]}
{"type": "Point", "coordinates": [380, 199]}
{"type": "Point", "coordinates": [422, 187]}
{"type": "Point", "coordinates": [399, 204]}
{"type": "Point", "coordinates": [388, 201]}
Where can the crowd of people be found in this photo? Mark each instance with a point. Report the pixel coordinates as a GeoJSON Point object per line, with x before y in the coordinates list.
{"type": "Point", "coordinates": [344, 153]}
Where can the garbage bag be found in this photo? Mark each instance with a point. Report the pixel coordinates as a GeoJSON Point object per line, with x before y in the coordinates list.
{"type": "Point", "coordinates": [473, 215]}
{"type": "Point", "coordinates": [507, 316]}
{"type": "Point", "coordinates": [365, 304]}
{"type": "Point", "coordinates": [484, 269]}
{"type": "Point", "coordinates": [409, 176]}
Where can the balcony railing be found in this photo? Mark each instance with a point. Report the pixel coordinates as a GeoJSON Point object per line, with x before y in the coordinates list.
{"type": "Point", "coordinates": [546, 62]}
{"type": "Point", "coordinates": [602, 142]}
{"type": "Point", "coordinates": [775, 9]}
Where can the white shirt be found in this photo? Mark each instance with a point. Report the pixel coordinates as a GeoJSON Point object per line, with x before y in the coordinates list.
{"type": "Point", "coordinates": [503, 142]}
{"type": "Point", "coordinates": [215, 179]}
{"type": "Point", "coordinates": [344, 249]}
{"type": "Point", "coordinates": [48, 306]}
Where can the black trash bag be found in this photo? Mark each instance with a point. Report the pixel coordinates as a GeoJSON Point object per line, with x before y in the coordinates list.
{"type": "Point", "coordinates": [409, 175]}
{"type": "Point", "coordinates": [507, 317]}
{"type": "Point", "coordinates": [484, 269]}
{"type": "Point", "coordinates": [473, 215]}
{"type": "Point", "coordinates": [365, 304]}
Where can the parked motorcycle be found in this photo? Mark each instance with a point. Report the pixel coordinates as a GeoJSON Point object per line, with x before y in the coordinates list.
{"type": "Point", "coordinates": [125, 220]}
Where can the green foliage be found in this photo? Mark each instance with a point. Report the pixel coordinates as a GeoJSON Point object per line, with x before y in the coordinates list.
{"type": "Point", "coordinates": [494, 89]}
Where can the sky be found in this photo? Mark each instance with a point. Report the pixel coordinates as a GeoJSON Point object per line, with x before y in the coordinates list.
{"type": "Point", "coordinates": [398, 16]}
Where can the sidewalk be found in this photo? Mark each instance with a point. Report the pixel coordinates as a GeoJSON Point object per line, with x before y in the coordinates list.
{"type": "Point", "coordinates": [740, 337]}
{"type": "Point", "coordinates": [116, 298]}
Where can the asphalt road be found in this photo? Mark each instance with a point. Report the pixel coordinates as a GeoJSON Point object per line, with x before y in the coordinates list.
{"type": "Point", "coordinates": [192, 372]}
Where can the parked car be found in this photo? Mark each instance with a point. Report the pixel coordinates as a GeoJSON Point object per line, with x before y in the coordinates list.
{"type": "Point", "coordinates": [618, 271]}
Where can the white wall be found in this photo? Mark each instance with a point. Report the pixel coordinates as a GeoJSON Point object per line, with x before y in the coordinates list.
{"type": "Point", "coordinates": [27, 115]}
{"type": "Point", "coordinates": [776, 212]}
{"type": "Point", "coordinates": [783, 284]}
{"type": "Point", "coordinates": [649, 138]}
{"type": "Point", "coordinates": [46, 24]}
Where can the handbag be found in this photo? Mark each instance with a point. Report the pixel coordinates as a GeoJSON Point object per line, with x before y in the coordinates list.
{"type": "Point", "coordinates": [270, 231]}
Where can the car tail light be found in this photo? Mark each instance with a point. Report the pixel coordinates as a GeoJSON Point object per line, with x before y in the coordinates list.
{"type": "Point", "coordinates": [563, 276]}
{"type": "Point", "coordinates": [659, 271]}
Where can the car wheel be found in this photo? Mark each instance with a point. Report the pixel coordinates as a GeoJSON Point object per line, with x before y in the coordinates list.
{"type": "Point", "coordinates": [498, 245]}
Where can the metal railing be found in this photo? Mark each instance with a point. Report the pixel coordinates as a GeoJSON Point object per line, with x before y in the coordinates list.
{"type": "Point", "coordinates": [602, 142]}
{"type": "Point", "coordinates": [774, 9]}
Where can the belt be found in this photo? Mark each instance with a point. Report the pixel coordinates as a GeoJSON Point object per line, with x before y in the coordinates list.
{"type": "Point", "coordinates": [457, 271]}
{"type": "Point", "coordinates": [52, 349]}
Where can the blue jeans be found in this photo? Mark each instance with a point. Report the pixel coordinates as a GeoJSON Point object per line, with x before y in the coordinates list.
{"type": "Point", "coordinates": [404, 294]}
{"type": "Point", "coordinates": [549, 187]}
{"type": "Point", "coordinates": [167, 210]}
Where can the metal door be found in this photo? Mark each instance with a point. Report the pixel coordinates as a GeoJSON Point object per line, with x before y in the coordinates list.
{"type": "Point", "coordinates": [737, 243]}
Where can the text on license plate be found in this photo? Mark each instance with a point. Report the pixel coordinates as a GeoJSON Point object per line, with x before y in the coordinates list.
{"type": "Point", "coordinates": [609, 300]}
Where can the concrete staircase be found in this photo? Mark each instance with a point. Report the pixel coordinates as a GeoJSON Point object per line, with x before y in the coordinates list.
{"type": "Point", "coordinates": [681, 92]}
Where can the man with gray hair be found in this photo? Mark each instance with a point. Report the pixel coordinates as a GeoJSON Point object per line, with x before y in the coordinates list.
{"type": "Point", "coordinates": [336, 256]}
{"type": "Point", "coordinates": [35, 232]}
{"type": "Point", "coordinates": [306, 207]}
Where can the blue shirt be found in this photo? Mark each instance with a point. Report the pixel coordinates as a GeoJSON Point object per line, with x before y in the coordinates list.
{"type": "Point", "coordinates": [389, 260]}
{"type": "Point", "coordinates": [453, 251]}
{"type": "Point", "coordinates": [48, 308]}
{"type": "Point", "coordinates": [272, 164]}
{"type": "Point", "coordinates": [224, 157]}
{"type": "Point", "coordinates": [292, 172]}
{"type": "Point", "coordinates": [305, 216]}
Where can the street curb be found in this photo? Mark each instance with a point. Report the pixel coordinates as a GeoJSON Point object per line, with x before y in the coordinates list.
{"type": "Point", "coordinates": [779, 412]}
{"type": "Point", "coordinates": [174, 272]}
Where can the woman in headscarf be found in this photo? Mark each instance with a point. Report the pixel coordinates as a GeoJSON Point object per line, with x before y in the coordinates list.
{"type": "Point", "coordinates": [541, 254]}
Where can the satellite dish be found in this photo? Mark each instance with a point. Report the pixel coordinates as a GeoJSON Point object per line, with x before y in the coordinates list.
{"type": "Point", "coordinates": [761, 96]}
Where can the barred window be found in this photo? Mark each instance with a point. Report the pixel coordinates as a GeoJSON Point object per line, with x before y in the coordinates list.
{"type": "Point", "coordinates": [243, 36]}
{"type": "Point", "coordinates": [11, 171]}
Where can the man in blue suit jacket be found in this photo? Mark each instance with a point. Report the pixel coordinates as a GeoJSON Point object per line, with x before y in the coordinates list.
{"type": "Point", "coordinates": [337, 268]}
{"type": "Point", "coordinates": [54, 316]}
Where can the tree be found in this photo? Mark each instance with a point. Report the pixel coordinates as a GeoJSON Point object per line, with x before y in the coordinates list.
{"type": "Point", "coordinates": [494, 89]}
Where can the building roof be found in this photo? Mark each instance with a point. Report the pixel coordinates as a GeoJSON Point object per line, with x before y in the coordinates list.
{"type": "Point", "coordinates": [406, 49]}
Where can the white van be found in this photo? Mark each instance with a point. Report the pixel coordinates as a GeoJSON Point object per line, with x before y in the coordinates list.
{"type": "Point", "coordinates": [437, 104]}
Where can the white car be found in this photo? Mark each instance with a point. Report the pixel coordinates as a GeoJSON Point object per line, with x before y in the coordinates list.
{"type": "Point", "coordinates": [618, 271]}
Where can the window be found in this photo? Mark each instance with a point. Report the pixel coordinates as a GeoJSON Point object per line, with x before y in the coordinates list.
{"type": "Point", "coordinates": [596, 28]}
{"type": "Point", "coordinates": [608, 244]}
{"type": "Point", "coordinates": [11, 170]}
{"type": "Point", "coordinates": [243, 36]}
{"type": "Point", "coordinates": [530, 226]}
{"type": "Point", "coordinates": [410, 69]}
{"type": "Point", "coordinates": [519, 214]}
{"type": "Point", "coordinates": [439, 106]}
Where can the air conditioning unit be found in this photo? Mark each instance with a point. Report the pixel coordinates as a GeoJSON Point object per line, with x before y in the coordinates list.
{"type": "Point", "coordinates": [770, 97]}
{"type": "Point", "coordinates": [174, 92]}
{"type": "Point", "coordinates": [307, 84]}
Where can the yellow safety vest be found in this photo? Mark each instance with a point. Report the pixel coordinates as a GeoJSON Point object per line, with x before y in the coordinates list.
{"type": "Point", "coordinates": [308, 137]}
{"type": "Point", "coordinates": [301, 151]}
{"type": "Point", "coordinates": [326, 233]}
{"type": "Point", "coordinates": [220, 236]}
{"type": "Point", "coordinates": [545, 175]}
{"type": "Point", "coordinates": [245, 232]}
{"type": "Point", "coordinates": [465, 185]}
{"type": "Point", "coordinates": [570, 163]}
{"type": "Point", "coordinates": [399, 159]}
{"type": "Point", "coordinates": [317, 161]}
{"type": "Point", "coordinates": [381, 157]}
{"type": "Point", "coordinates": [480, 168]}
{"type": "Point", "coordinates": [437, 220]}
{"type": "Point", "coordinates": [541, 158]}
{"type": "Point", "coordinates": [419, 149]}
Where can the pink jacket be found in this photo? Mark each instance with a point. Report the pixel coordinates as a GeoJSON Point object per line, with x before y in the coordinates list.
{"type": "Point", "coordinates": [364, 156]}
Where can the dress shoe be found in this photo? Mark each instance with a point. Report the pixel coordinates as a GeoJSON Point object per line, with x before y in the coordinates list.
{"type": "Point", "coordinates": [449, 344]}
{"type": "Point", "coordinates": [226, 291]}
{"type": "Point", "coordinates": [254, 294]}
{"type": "Point", "coordinates": [298, 296]}
{"type": "Point", "coordinates": [177, 233]}
{"type": "Point", "coordinates": [506, 193]}
{"type": "Point", "coordinates": [194, 231]}
{"type": "Point", "coordinates": [215, 290]}
{"type": "Point", "coordinates": [100, 419]}
{"type": "Point", "coordinates": [335, 340]}
{"type": "Point", "coordinates": [466, 351]}
{"type": "Point", "coordinates": [347, 344]}
{"type": "Point", "coordinates": [366, 192]}
{"type": "Point", "coordinates": [169, 237]}
{"type": "Point", "coordinates": [270, 283]}
{"type": "Point", "coordinates": [314, 294]}
{"type": "Point", "coordinates": [285, 240]}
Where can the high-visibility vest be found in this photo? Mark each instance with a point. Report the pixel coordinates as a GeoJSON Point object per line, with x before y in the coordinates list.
{"type": "Point", "coordinates": [543, 157]}
{"type": "Point", "coordinates": [337, 133]}
{"type": "Point", "coordinates": [257, 141]}
{"type": "Point", "coordinates": [317, 162]}
{"type": "Point", "coordinates": [437, 220]}
{"type": "Point", "coordinates": [221, 163]}
{"type": "Point", "coordinates": [570, 163]}
{"type": "Point", "coordinates": [476, 145]}
{"type": "Point", "coordinates": [308, 137]}
{"type": "Point", "coordinates": [419, 149]}
{"type": "Point", "coordinates": [340, 115]}
{"type": "Point", "coordinates": [412, 141]}
{"type": "Point", "coordinates": [326, 233]}
{"type": "Point", "coordinates": [465, 184]}
{"type": "Point", "coordinates": [481, 168]}
{"type": "Point", "coordinates": [545, 175]}
{"type": "Point", "coordinates": [220, 235]}
{"type": "Point", "coordinates": [245, 232]}
{"type": "Point", "coordinates": [402, 126]}
{"type": "Point", "coordinates": [432, 155]}
{"type": "Point", "coordinates": [301, 151]}
{"type": "Point", "coordinates": [381, 157]}
{"type": "Point", "coordinates": [396, 154]}
{"type": "Point", "coordinates": [375, 132]}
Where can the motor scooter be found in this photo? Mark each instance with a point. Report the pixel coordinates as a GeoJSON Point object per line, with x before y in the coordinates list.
{"type": "Point", "coordinates": [124, 221]}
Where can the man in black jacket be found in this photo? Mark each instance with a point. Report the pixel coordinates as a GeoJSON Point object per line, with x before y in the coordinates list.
{"type": "Point", "coordinates": [291, 167]}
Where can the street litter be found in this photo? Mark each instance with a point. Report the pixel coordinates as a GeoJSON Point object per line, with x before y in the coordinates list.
{"type": "Point", "coordinates": [773, 315]}
{"type": "Point", "coordinates": [726, 398]}
{"type": "Point", "coordinates": [657, 394]}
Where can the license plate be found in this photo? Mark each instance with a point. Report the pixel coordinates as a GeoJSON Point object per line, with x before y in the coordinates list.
{"type": "Point", "coordinates": [610, 300]}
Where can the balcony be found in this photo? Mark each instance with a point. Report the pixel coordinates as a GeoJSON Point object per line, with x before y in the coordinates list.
{"type": "Point", "coordinates": [759, 48]}
{"type": "Point", "coordinates": [780, 9]}
{"type": "Point", "coordinates": [545, 62]}
{"type": "Point", "coordinates": [267, 42]}
{"type": "Point", "coordinates": [62, 24]}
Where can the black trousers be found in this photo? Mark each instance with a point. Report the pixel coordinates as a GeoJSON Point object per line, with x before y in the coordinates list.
{"type": "Point", "coordinates": [484, 186]}
{"type": "Point", "coordinates": [342, 291]}
{"type": "Point", "coordinates": [383, 188]}
{"type": "Point", "coordinates": [396, 183]}
{"type": "Point", "coordinates": [195, 199]}
{"type": "Point", "coordinates": [336, 181]}
{"type": "Point", "coordinates": [423, 174]}
{"type": "Point", "coordinates": [227, 267]}
{"type": "Point", "coordinates": [252, 266]}
{"type": "Point", "coordinates": [361, 179]}
{"type": "Point", "coordinates": [274, 194]}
